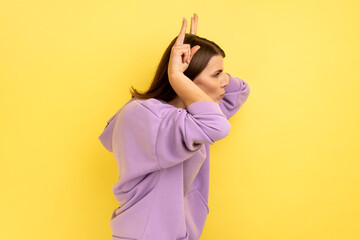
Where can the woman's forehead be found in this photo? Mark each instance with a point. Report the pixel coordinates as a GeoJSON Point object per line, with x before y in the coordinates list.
{"type": "Point", "coordinates": [215, 63]}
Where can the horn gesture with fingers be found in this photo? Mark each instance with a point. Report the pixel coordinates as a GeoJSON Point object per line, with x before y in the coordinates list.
{"type": "Point", "coordinates": [181, 54]}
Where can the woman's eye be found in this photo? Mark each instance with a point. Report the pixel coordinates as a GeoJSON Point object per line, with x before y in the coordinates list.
{"type": "Point", "coordinates": [216, 75]}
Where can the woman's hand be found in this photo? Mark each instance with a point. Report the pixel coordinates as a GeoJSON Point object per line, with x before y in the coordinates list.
{"type": "Point", "coordinates": [180, 58]}
{"type": "Point", "coordinates": [181, 54]}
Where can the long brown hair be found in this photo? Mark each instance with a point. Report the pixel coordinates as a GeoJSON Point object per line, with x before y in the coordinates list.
{"type": "Point", "coordinates": [160, 87]}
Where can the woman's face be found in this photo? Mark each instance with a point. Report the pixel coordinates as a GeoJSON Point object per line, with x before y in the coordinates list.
{"type": "Point", "coordinates": [212, 80]}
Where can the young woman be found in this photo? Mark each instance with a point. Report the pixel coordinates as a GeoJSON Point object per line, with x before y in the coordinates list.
{"type": "Point", "coordinates": [161, 141]}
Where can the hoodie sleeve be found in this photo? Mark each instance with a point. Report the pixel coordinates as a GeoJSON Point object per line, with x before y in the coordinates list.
{"type": "Point", "coordinates": [183, 131]}
{"type": "Point", "coordinates": [236, 93]}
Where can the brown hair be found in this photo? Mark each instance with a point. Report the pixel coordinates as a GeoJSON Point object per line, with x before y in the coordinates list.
{"type": "Point", "coordinates": [160, 87]}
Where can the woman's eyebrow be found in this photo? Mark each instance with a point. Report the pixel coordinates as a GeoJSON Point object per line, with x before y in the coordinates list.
{"type": "Point", "coordinates": [220, 70]}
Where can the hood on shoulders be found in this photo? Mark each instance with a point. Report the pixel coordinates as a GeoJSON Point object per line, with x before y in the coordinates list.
{"type": "Point", "coordinates": [158, 106]}
{"type": "Point", "coordinates": [107, 134]}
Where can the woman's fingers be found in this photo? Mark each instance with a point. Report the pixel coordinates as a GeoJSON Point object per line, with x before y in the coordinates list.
{"type": "Point", "coordinates": [193, 51]}
{"type": "Point", "coordinates": [192, 25]}
{"type": "Point", "coordinates": [189, 55]}
{"type": "Point", "coordinates": [184, 51]}
{"type": "Point", "coordinates": [181, 51]}
{"type": "Point", "coordinates": [194, 21]}
{"type": "Point", "coordinates": [181, 37]}
{"type": "Point", "coordinates": [181, 54]}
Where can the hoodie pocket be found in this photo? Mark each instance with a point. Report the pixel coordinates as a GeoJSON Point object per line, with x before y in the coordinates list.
{"type": "Point", "coordinates": [184, 238]}
{"type": "Point", "coordinates": [196, 194]}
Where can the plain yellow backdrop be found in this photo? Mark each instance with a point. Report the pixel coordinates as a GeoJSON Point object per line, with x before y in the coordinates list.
{"type": "Point", "coordinates": [289, 168]}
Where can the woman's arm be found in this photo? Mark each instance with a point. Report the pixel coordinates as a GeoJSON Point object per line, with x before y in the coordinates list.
{"type": "Point", "coordinates": [187, 90]}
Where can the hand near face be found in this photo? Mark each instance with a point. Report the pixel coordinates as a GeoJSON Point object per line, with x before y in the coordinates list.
{"type": "Point", "coordinates": [181, 54]}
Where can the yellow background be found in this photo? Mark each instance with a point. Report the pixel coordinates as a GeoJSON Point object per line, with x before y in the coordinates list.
{"type": "Point", "coordinates": [289, 168]}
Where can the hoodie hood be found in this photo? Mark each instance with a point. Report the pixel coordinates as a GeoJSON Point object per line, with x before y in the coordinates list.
{"type": "Point", "coordinates": [107, 134]}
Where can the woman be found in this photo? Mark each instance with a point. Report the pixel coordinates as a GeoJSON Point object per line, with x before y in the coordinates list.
{"type": "Point", "coordinates": [161, 141]}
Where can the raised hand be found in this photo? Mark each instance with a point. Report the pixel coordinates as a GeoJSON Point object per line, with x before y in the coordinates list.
{"type": "Point", "coordinates": [181, 54]}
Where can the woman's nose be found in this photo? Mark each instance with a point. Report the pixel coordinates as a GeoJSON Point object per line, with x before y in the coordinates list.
{"type": "Point", "coordinates": [226, 80]}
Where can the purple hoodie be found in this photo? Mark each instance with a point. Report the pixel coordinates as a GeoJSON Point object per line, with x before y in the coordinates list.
{"type": "Point", "coordinates": [162, 154]}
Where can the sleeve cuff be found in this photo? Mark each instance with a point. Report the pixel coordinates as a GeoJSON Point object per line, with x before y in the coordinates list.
{"type": "Point", "coordinates": [234, 85]}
